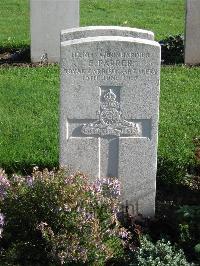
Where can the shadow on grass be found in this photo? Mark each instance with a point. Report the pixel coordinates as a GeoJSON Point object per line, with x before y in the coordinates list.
{"type": "Point", "coordinates": [172, 50]}
{"type": "Point", "coordinates": [170, 173]}
{"type": "Point", "coordinates": [169, 199]}
{"type": "Point", "coordinates": [179, 194]}
{"type": "Point", "coordinates": [9, 55]}
{"type": "Point", "coordinates": [26, 168]}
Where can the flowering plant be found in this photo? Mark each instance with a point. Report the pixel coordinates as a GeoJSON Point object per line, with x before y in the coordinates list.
{"type": "Point", "coordinates": [54, 217]}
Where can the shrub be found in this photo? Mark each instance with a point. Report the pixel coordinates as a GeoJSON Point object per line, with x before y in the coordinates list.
{"type": "Point", "coordinates": [162, 253]}
{"type": "Point", "coordinates": [187, 218]}
{"type": "Point", "coordinates": [52, 218]}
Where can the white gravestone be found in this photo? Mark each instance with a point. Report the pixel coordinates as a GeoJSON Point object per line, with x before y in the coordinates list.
{"type": "Point", "coordinates": [92, 31]}
{"type": "Point", "coordinates": [47, 19]}
{"type": "Point", "coordinates": [109, 103]}
{"type": "Point", "coordinates": [192, 33]}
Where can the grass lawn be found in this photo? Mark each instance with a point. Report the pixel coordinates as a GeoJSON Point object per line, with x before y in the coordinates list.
{"type": "Point", "coordinates": [179, 120]}
{"type": "Point", "coordinates": [163, 17]}
{"type": "Point", "coordinates": [29, 115]}
{"type": "Point", "coordinates": [29, 96]}
{"type": "Point", "coordinates": [179, 111]}
{"type": "Point", "coordinates": [14, 23]}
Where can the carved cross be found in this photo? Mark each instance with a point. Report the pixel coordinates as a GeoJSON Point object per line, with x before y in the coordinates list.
{"type": "Point", "coordinates": [108, 129]}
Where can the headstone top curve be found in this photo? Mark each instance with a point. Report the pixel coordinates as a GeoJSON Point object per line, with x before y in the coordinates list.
{"type": "Point", "coordinates": [105, 28]}
{"type": "Point", "coordinates": [110, 38]}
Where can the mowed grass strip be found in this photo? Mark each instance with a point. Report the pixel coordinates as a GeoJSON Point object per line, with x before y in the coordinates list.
{"type": "Point", "coordinates": [29, 117]}
{"type": "Point", "coordinates": [179, 112]}
{"type": "Point", "coordinates": [14, 23]}
{"type": "Point", "coordinates": [29, 114]}
{"type": "Point", "coordinates": [163, 17]}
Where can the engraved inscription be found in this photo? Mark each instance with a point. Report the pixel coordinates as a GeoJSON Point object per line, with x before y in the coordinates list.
{"type": "Point", "coordinates": [111, 54]}
{"type": "Point", "coordinates": [108, 65]}
{"type": "Point", "coordinates": [111, 121]}
{"type": "Point", "coordinates": [110, 74]}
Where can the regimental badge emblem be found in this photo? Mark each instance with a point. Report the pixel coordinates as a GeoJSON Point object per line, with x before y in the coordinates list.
{"type": "Point", "coordinates": [111, 121]}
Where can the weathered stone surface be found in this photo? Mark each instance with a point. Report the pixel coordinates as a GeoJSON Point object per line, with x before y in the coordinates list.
{"type": "Point", "coordinates": [47, 19]}
{"type": "Point", "coordinates": [92, 31]}
{"type": "Point", "coordinates": [192, 32]}
{"type": "Point", "coordinates": [109, 113]}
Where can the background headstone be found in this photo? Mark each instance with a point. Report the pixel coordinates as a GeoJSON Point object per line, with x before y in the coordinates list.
{"type": "Point", "coordinates": [47, 19]}
{"type": "Point", "coordinates": [92, 31]}
{"type": "Point", "coordinates": [109, 113]}
{"type": "Point", "coordinates": [192, 32]}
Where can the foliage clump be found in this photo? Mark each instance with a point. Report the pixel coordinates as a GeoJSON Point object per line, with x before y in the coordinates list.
{"type": "Point", "coordinates": [161, 253]}
{"type": "Point", "coordinates": [53, 218]}
{"type": "Point", "coordinates": [172, 49]}
{"type": "Point", "coordinates": [187, 219]}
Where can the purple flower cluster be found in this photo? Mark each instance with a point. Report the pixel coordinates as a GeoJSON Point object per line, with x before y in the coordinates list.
{"type": "Point", "coordinates": [124, 234]}
{"type": "Point", "coordinates": [87, 216]}
{"type": "Point", "coordinates": [18, 179]}
{"type": "Point", "coordinates": [2, 222]}
{"type": "Point", "coordinates": [30, 181]}
{"type": "Point", "coordinates": [110, 186]}
{"type": "Point", "coordinates": [4, 185]}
